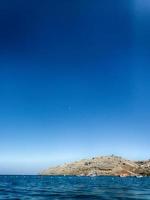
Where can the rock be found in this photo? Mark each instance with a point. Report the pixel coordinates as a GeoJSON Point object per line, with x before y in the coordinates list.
{"type": "Point", "coordinates": [104, 165]}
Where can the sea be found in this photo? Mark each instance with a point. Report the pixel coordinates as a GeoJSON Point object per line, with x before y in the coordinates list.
{"type": "Point", "coordinates": [73, 187]}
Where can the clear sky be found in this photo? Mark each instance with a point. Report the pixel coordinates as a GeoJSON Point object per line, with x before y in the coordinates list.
{"type": "Point", "coordinates": [74, 81]}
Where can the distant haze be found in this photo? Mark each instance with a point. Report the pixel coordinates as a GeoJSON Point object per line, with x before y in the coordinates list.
{"type": "Point", "coordinates": [74, 82]}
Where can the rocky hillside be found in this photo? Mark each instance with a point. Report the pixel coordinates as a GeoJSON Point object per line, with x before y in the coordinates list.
{"type": "Point", "coordinates": [144, 167]}
{"type": "Point", "coordinates": [104, 165]}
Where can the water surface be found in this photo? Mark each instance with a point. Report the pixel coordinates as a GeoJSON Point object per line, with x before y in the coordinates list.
{"type": "Point", "coordinates": [71, 187]}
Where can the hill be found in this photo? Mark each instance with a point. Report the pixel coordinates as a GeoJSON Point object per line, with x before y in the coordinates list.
{"type": "Point", "coordinates": [104, 165]}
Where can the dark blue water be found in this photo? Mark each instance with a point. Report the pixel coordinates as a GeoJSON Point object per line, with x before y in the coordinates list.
{"type": "Point", "coordinates": [68, 187]}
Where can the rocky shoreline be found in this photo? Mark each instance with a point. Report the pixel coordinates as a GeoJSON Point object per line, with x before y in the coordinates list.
{"type": "Point", "coordinates": [102, 166]}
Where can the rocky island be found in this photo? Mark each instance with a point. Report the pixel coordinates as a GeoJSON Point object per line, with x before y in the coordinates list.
{"type": "Point", "coordinates": [102, 166]}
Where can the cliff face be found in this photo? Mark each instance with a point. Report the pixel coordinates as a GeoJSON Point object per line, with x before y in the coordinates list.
{"type": "Point", "coordinates": [104, 165]}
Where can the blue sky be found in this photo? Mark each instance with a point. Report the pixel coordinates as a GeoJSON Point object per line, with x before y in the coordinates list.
{"type": "Point", "coordinates": [74, 81]}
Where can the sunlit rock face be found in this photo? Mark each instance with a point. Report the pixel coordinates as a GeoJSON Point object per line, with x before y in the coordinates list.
{"type": "Point", "coordinates": [104, 165]}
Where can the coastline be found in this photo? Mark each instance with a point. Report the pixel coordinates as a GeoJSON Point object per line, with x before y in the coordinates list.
{"type": "Point", "coordinates": [102, 166]}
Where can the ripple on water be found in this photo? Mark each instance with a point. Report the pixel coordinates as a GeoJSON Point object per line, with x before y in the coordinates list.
{"type": "Point", "coordinates": [72, 187]}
